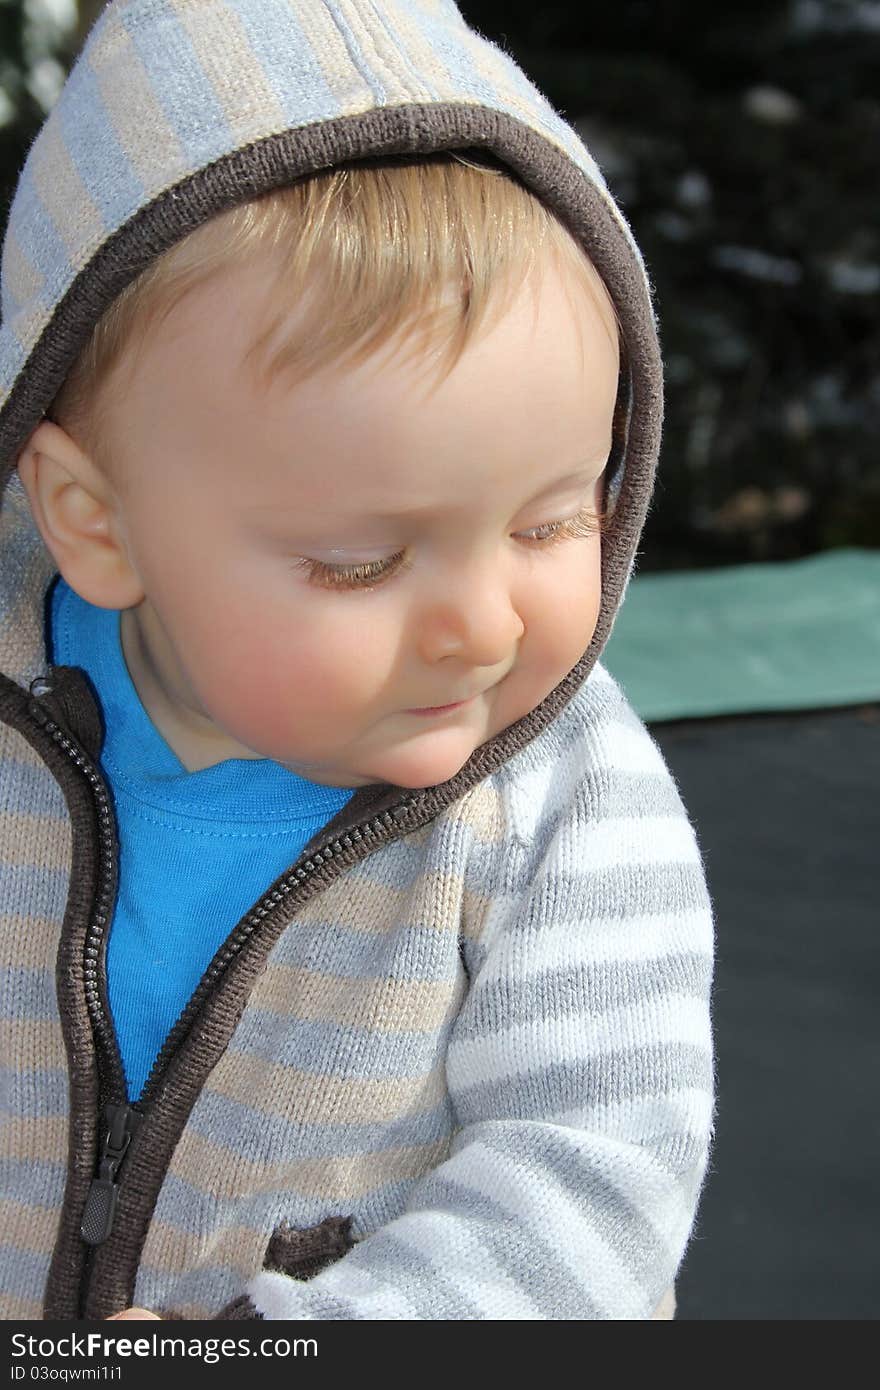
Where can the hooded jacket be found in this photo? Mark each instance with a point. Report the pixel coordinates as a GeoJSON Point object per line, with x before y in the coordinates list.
{"type": "Point", "coordinates": [497, 1100]}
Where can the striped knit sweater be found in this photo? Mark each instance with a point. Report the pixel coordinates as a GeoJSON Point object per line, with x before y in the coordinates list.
{"type": "Point", "coordinates": [456, 1063]}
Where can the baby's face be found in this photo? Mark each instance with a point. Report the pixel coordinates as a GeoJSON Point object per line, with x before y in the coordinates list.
{"type": "Point", "coordinates": [321, 559]}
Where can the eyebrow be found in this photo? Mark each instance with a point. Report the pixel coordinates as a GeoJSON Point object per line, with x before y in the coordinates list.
{"type": "Point", "coordinates": [585, 474]}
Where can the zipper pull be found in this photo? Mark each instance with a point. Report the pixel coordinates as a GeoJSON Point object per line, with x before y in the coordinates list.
{"type": "Point", "coordinates": [39, 690]}
{"type": "Point", "coordinates": [97, 1221]}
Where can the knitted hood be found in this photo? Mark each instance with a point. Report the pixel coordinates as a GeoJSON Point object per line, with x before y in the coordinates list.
{"type": "Point", "coordinates": [177, 109]}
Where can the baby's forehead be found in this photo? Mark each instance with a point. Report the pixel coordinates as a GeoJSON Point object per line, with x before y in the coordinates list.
{"type": "Point", "coordinates": [248, 301]}
{"type": "Point", "coordinates": [226, 375]}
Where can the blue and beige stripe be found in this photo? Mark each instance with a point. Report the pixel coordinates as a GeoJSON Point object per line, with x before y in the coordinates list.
{"type": "Point", "coordinates": [26, 568]}
{"type": "Point", "coordinates": [191, 1219]}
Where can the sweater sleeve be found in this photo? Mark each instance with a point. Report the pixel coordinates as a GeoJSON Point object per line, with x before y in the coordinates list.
{"type": "Point", "coordinates": [580, 1068]}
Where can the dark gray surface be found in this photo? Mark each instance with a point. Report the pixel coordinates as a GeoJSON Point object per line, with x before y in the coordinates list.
{"type": "Point", "coordinates": [786, 812]}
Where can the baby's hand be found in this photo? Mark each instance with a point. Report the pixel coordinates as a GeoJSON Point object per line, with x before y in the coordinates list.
{"type": "Point", "coordinates": [134, 1313]}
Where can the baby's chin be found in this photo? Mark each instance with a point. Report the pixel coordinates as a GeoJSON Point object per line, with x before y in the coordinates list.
{"type": "Point", "coordinates": [426, 761]}
{"type": "Point", "coordinates": [407, 752]}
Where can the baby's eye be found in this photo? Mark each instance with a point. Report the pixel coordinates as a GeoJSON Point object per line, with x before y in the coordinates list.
{"type": "Point", "coordinates": [351, 576]}
{"type": "Point", "coordinates": [367, 575]}
{"type": "Point", "coordinates": [586, 523]}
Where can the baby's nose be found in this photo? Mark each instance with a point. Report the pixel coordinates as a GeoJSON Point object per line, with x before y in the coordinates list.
{"type": "Point", "coordinates": [477, 622]}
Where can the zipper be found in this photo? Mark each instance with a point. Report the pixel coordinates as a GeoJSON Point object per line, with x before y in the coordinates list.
{"type": "Point", "coordinates": [100, 1207]}
{"type": "Point", "coordinates": [120, 1123]}
{"type": "Point", "coordinates": [121, 1120]}
{"type": "Point", "coordinates": [110, 1062]}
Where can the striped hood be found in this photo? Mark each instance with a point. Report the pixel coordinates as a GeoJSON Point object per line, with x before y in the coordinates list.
{"type": "Point", "coordinates": [177, 109]}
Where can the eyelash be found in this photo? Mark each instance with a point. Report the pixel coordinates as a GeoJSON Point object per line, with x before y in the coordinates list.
{"type": "Point", "coordinates": [586, 523]}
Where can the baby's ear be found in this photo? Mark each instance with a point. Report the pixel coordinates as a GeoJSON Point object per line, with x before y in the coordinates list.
{"type": "Point", "coordinates": [78, 515]}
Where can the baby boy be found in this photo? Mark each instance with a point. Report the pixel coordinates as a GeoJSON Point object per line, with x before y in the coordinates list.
{"type": "Point", "coordinates": [367, 940]}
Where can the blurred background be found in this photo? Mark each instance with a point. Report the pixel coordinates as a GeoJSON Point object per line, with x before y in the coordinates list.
{"type": "Point", "coordinates": [742, 142]}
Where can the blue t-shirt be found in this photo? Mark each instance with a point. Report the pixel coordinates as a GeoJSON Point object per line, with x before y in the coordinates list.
{"type": "Point", "coordinates": [196, 849]}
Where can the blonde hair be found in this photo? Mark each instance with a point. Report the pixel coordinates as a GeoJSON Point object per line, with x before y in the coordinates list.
{"type": "Point", "coordinates": [363, 251]}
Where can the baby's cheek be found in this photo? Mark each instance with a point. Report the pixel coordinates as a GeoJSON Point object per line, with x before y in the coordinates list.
{"type": "Point", "coordinates": [570, 620]}
{"type": "Point", "coordinates": [283, 693]}
{"type": "Point", "coordinates": [328, 671]}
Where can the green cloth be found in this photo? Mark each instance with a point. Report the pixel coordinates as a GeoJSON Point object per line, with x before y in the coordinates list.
{"type": "Point", "coordinates": [799, 634]}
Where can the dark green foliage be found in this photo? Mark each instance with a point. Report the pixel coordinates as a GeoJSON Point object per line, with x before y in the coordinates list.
{"type": "Point", "coordinates": [773, 395]}
{"type": "Point", "coordinates": [18, 134]}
